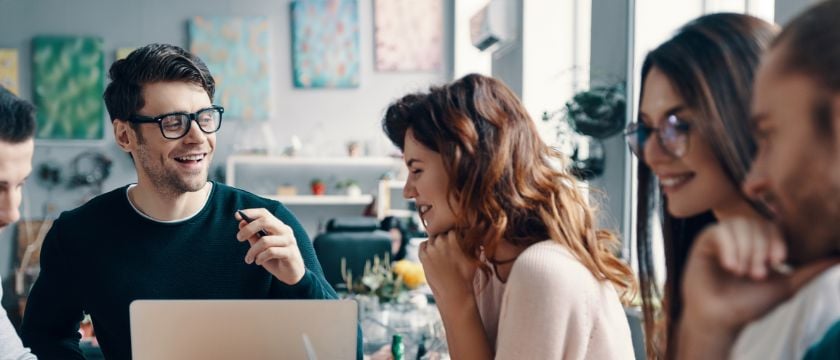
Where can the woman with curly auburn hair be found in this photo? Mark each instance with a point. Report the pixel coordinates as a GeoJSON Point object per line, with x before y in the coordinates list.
{"type": "Point", "coordinates": [517, 267]}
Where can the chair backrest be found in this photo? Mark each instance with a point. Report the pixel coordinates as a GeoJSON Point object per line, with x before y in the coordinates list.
{"type": "Point", "coordinates": [355, 239]}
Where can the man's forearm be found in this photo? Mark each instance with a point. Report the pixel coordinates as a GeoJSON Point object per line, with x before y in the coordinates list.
{"type": "Point", "coordinates": [310, 286]}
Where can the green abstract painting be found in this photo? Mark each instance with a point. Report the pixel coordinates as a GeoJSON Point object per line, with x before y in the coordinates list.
{"type": "Point", "coordinates": [68, 82]}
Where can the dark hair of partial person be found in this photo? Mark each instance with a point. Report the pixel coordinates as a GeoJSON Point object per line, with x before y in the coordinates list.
{"type": "Point", "coordinates": [389, 223]}
{"type": "Point", "coordinates": [504, 179]}
{"type": "Point", "coordinates": [17, 118]}
{"type": "Point", "coordinates": [149, 64]}
{"type": "Point", "coordinates": [711, 62]}
{"type": "Point", "coordinates": [810, 43]}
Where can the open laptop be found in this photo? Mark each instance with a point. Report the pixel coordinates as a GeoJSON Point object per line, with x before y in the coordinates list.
{"type": "Point", "coordinates": [243, 329]}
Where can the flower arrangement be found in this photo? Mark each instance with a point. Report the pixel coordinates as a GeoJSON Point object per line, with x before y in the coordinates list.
{"type": "Point", "coordinates": [411, 273]}
{"type": "Point", "coordinates": [386, 281]}
{"type": "Point", "coordinates": [350, 186]}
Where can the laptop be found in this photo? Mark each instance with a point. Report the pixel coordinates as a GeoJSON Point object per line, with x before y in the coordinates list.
{"type": "Point", "coordinates": [243, 329]}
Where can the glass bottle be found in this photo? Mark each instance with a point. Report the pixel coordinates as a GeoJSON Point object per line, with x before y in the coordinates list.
{"type": "Point", "coordinates": [397, 347]}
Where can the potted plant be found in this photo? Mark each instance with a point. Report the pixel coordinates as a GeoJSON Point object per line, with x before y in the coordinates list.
{"type": "Point", "coordinates": [598, 112]}
{"type": "Point", "coordinates": [318, 187]}
{"type": "Point", "coordinates": [351, 187]}
{"type": "Point", "coordinates": [388, 282]}
{"type": "Point", "coordinates": [590, 116]}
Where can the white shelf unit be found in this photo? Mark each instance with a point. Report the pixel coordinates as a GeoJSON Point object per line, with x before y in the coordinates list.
{"type": "Point", "coordinates": [302, 162]}
{"type": "Point", "coordinates": [391, 201]}
{"type": "Point", "coordinates": [262, 175]}
{"type": "Point", "coordinates": [363, 199]}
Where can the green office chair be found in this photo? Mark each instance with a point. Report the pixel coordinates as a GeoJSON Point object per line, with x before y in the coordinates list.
{"type": "Point", "coordinates": [356, 239]}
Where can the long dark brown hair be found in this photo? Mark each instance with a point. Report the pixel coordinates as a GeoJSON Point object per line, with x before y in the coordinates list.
{"type": "Point", "coordinates": [508, 185]}
{"type": "Point", "coordinates": [711, 62]}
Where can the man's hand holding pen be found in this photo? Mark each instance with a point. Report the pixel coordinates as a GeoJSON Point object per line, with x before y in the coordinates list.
{"type": "Point", "coordinates": [273, 244]}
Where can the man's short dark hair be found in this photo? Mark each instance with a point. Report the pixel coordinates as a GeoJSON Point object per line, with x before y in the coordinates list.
{"type": "Point", "coordinates": [17, 118]}
{"type": "Point", "coordinates": [149, 64]}
{"type": "Point", "coordinates": [811, 43]}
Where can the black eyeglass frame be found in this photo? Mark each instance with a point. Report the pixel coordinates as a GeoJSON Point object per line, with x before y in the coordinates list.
{"type": "Point", "coordinates": [141, 119]}
{"type": "Point", "coordinates": [679, 125]}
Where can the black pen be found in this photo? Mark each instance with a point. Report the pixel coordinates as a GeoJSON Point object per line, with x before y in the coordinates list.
{"type": "Point", "coordinates": [247, 219]}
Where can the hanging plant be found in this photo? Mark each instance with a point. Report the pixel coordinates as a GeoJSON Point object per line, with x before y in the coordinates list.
{"type": "Point", "coordinates": [598, 112]}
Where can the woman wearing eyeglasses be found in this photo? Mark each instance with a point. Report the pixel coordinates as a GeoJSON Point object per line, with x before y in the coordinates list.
{"type": "Point", "coordinates": [693, 136]}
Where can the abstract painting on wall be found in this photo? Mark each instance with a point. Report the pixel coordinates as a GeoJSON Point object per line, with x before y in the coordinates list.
{"type": "Point", "coordinates": [408, 35]}
{"type": "Point", "coordinates": [9, 70]}
{"type": "Point", "coordinates": [235, 50]}
{"type": "Point", "coordinates": [68, 81]}
{"type": "Point", "coordinates": [325, 43]}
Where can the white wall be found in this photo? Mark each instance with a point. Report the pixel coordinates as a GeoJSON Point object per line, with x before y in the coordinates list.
{"type": "Point", "coordinates": [325, 119]}
{"type": "Point", "coordinates": [349, 114]}
{"type": "Point", "coordinates": [555, 53]}
{"type": "Point", "coordinates": [468, 59]}
{"type": "Point", "coordinates": [507, 61]}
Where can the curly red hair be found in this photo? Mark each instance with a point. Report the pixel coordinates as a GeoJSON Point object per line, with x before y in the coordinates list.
{"type": "Point", "coordinates": [507, 184]}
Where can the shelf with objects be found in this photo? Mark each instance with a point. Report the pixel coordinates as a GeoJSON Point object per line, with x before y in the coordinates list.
{"type": "Point", "coordinates": [315, 189]}
{"type": "Point", "coordinates": [391, 201]}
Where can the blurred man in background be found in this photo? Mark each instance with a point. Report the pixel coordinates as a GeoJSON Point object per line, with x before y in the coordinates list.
{"type": "Point", "coordinates": [17, 129]}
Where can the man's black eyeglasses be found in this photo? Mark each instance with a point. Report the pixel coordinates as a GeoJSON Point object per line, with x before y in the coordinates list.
{"type": "Point", "coordinates": [176, 125]}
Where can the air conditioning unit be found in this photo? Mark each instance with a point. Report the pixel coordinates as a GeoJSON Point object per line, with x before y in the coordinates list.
{"type": "Point", "coordinates": [494, 26]}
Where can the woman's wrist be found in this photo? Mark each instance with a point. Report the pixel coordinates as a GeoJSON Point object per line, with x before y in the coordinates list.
{"type": "Point", "coordinates": [455, 301]}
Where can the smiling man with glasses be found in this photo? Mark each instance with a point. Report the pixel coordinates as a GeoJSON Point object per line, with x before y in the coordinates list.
{"type": "Point", "coordinates": [173, 234]}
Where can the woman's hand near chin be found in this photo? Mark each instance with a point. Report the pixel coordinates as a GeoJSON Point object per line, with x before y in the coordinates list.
{"type": "Point", "coordinates": [450, 274]}
{"type": "Point", "coordinates": [448, 270]}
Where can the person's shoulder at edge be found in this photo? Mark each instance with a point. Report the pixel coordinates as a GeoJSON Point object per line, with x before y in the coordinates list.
{"type": "Point", "coordinates": [828, 347]}
{"type": "Point", "coordinates": [829, 279]}
{"type": "Point", "coordinates": [821, 297]}
{"type": "Point", "coordinates": [104, 201]}
{"type": "Point", "coordinates": [92, 214]}
{"type": "Point", "coordinates": [805, 317]}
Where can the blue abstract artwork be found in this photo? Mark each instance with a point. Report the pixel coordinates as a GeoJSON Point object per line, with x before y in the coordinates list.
{"type": "Point", "coordinates": [236, 50]}
{"type": "Point", "coordinates": [325, 43]}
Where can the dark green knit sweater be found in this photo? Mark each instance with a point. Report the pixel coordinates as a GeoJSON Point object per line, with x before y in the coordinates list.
{"type": "Point", "coordinates": [103, 255]}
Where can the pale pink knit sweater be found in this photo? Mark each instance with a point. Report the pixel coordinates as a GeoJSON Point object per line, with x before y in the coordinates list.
{"type": "Point", "coordinates": [553, 308]}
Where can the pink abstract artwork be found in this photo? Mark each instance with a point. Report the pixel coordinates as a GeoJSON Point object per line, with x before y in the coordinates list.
{"type": "Point", "coordinates": [408, 35]}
